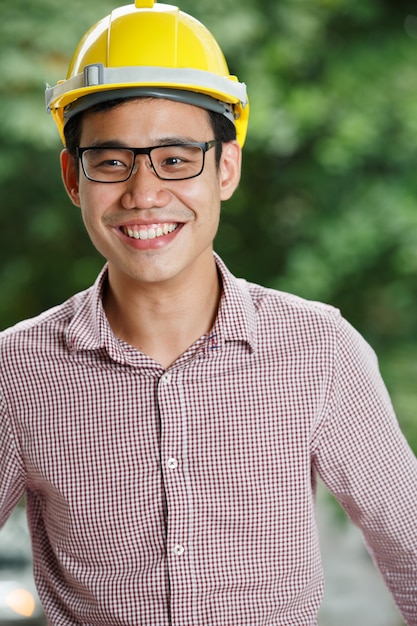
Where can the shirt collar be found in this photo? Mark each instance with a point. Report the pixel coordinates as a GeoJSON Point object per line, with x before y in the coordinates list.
{"type": "Point", "coordinates": [236, 318]}
{"type": "Point", "coordinates": [89, 328]}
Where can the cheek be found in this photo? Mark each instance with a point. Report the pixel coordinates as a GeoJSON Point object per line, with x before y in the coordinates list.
{"type": "Point", "coordinates": [92, 210]}
{"type": "Point", "coordinates": [92, 228]}
{"type": "Point", "coordinates": [204, 197]}
{"type": "Point", "coordinates": [95, 201]}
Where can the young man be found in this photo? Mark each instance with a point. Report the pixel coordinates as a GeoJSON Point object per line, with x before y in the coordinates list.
{"type": "Point", "coordinates": [167, 424]}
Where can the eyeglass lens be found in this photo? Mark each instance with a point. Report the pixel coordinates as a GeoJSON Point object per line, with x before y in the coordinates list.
{"type": "Point", "coordinates": [110, 165]}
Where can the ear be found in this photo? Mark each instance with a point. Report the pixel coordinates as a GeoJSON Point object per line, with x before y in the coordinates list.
{"type": "Point", "coordinates": [229, 169]}
{"type": "Point", "coordinates": [70, 177]}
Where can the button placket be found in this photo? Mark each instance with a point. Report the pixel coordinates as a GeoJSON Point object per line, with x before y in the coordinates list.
{"type": "Point", "coordinates": [172, 411]}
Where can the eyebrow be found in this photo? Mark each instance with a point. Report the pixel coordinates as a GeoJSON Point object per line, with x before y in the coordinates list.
{"type": "Point", "coordinates": [163, 141]}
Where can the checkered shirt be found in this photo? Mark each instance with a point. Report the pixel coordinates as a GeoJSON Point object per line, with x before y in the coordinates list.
{"type": "Point", "coordinates": [186, 496]}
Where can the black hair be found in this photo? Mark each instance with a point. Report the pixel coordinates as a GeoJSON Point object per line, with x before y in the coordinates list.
{"type": "Point", "coordinates": [224, 130]}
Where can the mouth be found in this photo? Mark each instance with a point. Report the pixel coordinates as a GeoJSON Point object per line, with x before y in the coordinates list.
{"type": "Point", "coordinates": [149, 231]}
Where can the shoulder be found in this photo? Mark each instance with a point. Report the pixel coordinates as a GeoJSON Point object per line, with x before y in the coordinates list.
{"type": "Point", "coordinates": [278, 318]}
{"type": "Point", "coordinates": [288, 309]}
{"type": "Point", "coordinates": [47, 329]}
{"type": "Point", "coordinates": [272, 303]}
{"type": "Point", "coordinates": [50, 331]}
{"type": "Point", "coordinates": [304, 324]}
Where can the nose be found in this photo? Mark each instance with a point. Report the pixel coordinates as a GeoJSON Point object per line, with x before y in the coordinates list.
{"type": "Point", "coordinates": [144, 190]}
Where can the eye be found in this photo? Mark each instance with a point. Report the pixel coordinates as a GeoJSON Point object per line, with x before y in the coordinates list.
{"type": "Point", "coordinates": [178, 161]}
{"type": "Point", "coordinates": [172, 161]}
{"type": "Point", "coordinates": [99, 163]}
{"type": "Point", "coordinates": [112, 159]}
{"type": "Point", "coordinates": [104, 158]}
{"type": "Point", "coordinates": [173, 158]}
{"type": "Point", "coordinates": [107, 164]}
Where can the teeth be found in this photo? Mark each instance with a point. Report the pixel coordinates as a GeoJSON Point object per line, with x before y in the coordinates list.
{"type": "Point", "coordinates": [150, 233]}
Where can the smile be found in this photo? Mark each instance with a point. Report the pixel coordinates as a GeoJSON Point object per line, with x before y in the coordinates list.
{"type": "Point", "coordinates": [152, 231]}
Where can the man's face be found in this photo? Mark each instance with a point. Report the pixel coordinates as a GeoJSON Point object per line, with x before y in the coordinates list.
{"type": "Point", "coordinates": [185, 211]}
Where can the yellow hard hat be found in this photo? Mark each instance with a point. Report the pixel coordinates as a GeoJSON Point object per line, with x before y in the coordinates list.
{"type": "Point", "coordinates": [152, 50]}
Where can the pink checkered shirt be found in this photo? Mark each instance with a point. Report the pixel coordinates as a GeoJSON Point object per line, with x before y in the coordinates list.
{"type": "Point", "coordinates": [186, 497]}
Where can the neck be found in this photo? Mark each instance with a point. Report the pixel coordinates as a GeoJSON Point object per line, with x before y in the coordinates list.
{"type": "Point", "coordinates": [162, 321]}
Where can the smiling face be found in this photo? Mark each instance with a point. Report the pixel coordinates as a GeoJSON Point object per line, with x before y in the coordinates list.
{"type": "Point", "coordinates": [152, 230]}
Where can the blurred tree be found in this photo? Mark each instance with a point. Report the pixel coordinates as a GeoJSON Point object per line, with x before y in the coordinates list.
{"type": "Point", "coordinates": [44, 252]}
{"type": "Point", "coordinates": [327, 203]}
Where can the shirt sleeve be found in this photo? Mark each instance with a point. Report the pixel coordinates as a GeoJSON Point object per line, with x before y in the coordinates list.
{"type": "Point", "coordinates": [365, 461]}
{"type": "Point", "coordinates": [11, 471]}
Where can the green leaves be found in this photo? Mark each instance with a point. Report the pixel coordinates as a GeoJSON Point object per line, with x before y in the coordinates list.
{"type": "Point", "coordinates": [327, 205]}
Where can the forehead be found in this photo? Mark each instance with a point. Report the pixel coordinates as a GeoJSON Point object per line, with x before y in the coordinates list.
{"type": "Point", "coordinates": [146, 119]}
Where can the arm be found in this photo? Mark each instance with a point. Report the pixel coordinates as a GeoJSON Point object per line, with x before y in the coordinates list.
{"type": "Point", "coordinates": [365, 461]}
{"type": "Point", "coordinates": [11, 469]}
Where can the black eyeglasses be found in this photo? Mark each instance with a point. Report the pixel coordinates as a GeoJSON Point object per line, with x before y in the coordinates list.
{"type": "Point", "coordinates": [177, 161]}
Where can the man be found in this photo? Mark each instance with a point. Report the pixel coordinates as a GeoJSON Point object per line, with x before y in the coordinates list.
{"type": "Point", "coordinates": [167, 424]}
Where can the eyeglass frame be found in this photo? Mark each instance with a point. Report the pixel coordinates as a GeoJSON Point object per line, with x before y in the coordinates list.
{"type": "Point", "coordinates": [205, 146]}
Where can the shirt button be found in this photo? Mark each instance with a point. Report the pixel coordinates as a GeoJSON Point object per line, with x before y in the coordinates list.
{"type": "Point", "coordinates": [178, 550]}
{"type": "Point", "coordinates": [172, 464]}
{"type": "Point", "coordinates": [166, 378]}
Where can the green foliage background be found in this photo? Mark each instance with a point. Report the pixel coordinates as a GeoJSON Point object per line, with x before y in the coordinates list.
{"type": "Point", "coordinates": [327, 207]}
